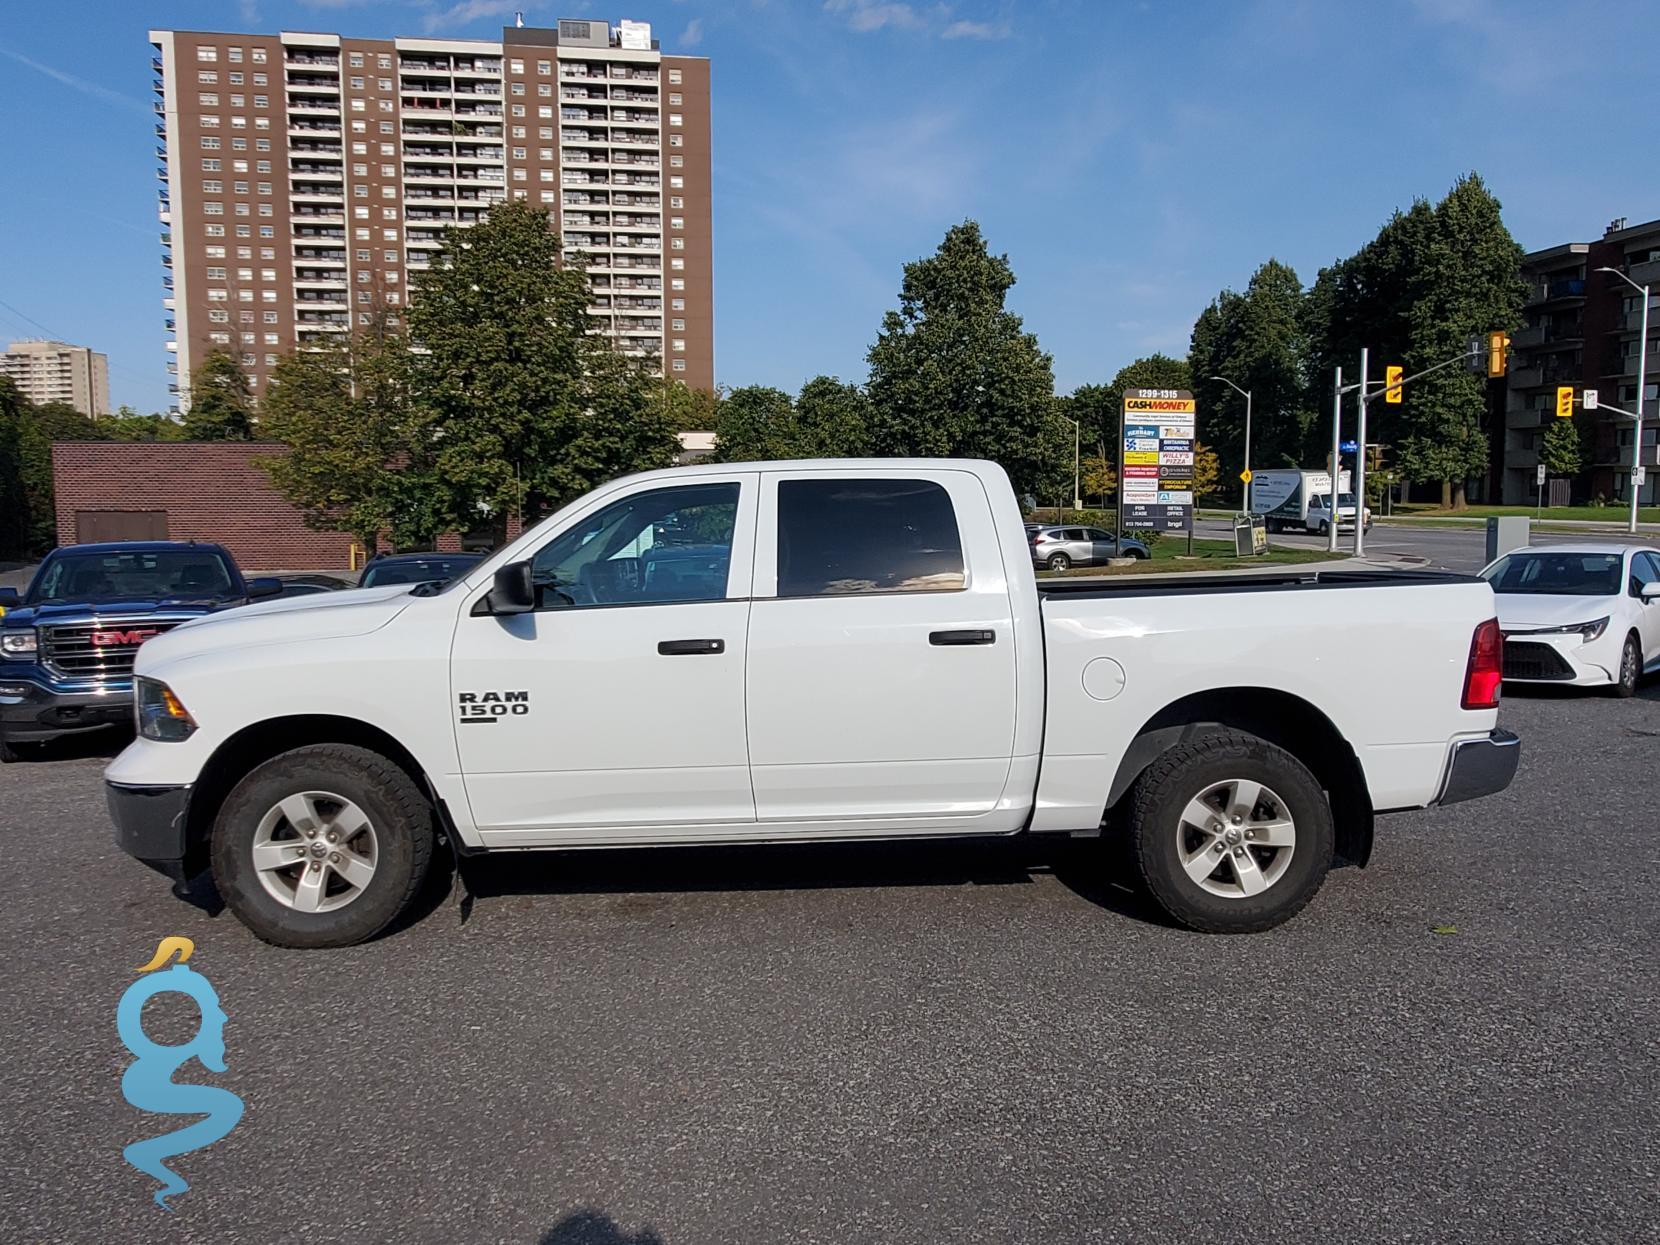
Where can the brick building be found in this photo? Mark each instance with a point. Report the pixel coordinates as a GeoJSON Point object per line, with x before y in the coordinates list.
{"type": "Point", "coordinates": [208, 491]}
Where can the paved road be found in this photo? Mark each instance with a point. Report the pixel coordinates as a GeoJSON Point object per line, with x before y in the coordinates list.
{"type": "Point", "coordinates": [884, 1043]}
{"type": "Point", "coordinates": [1446, 548]}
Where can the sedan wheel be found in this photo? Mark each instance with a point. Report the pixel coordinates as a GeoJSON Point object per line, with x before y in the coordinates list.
{"type": "Point", "coordinates": [1631, 668]}
{"type": "Point", "coordinates": [1059, 562]}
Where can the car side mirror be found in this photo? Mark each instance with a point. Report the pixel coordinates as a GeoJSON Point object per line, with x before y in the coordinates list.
{"type": "Point", "coordinates": [1650, 591]}
{"type": "Point", "coordinates": [513, 591]}
{"type": "Point", "coordinates": [265, 586]}
{"type": "Point", "coordinates": [10, 599]}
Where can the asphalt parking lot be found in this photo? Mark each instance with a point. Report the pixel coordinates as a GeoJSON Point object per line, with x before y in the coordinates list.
{"type": "Point", "coordinates": [877, 1043]}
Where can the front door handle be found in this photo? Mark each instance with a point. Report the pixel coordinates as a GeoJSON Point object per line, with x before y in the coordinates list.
{"type": "Point", "coordinates": [958, 638]}
{"type": "Point", "coordinates": [690, 648]}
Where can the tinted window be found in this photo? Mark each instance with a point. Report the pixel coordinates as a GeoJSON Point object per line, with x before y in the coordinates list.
{"type": "Point", "coordinates": [1557, 574]}
{"type": "Point", "coordinates": [1648, 568]}
{"type": "Point", "coordinates": [133, 575]}
{"type": "Point", "coordinates": [415, 571]}
{"type": "Point", "coordinates": [845, 536]}
{"type": "Point", "coordinates": [654, 548]}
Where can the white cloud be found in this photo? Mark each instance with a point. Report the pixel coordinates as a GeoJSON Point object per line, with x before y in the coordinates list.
{"type": "Point", "coordinates": [693, 34]}
{"type": "Point", "coordinates": [468, 11]}
{"type": "Point", "coordinates": [79, 84]}
{"type": "Point", "coordinates": [864, 16]}
{"type": "Point", "coordinates": [976, 30]}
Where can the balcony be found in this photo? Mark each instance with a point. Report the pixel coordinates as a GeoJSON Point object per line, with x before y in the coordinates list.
{"type": "Point", "coordinates": [1646, 273]}
{"type": "Point", "coordinates": [306, 106]}
{"type": "Point", "coordinates": [312, 58]}
{"type": "Point", "coordinates": [314, 127]}
{"type": "Point", "coordinates": [314, 86]}
{"type": "Point", "coordinates": [1550, 291]}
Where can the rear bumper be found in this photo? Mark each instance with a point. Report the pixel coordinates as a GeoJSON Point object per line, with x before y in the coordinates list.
{"type": "Point", "coordinates": [31, 711]}
{"type": "Point", "coordinates": [1481, 767]}
{"type": "Point", "coordinates": [150, 825]}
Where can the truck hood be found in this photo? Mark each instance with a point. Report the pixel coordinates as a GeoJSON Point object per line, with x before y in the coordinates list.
{"type": "Point", "coordinates": [1526, 611]}
{"type": "Point", "coordinates": [48, 613]}
{"type": "Point", "coordinates": [325, 616]}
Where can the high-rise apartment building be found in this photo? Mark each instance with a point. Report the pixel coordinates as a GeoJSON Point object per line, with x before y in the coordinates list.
{"type": "Point", "coordinates": [1583, 330]}
{"type": "Point", "coordinates": [47, 371]}
{"type": "Point", "coordinates": [306, 179]}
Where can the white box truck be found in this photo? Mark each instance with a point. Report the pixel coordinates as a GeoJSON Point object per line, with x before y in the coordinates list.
{"type": "Point", "coordinates": [1302, 499]}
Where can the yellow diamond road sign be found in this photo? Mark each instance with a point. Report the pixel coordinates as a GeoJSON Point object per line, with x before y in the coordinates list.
{"type": "Point", "coordinates": [1245, 475]}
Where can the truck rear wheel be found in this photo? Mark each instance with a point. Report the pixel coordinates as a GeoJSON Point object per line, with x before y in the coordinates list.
{"type": "Point", "coordinates": [1231, 834]}
{"type": "Point", "coordinates": [323, 846]}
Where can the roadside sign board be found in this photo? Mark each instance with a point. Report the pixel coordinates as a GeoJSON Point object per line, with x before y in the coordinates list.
{"type": "Point", "coordinates": [1642, 476]}
{"type": "Point", "coordinates": [1245, 475]}
{"type": "Point", "coordinates": [1590, 399]}
{"type": "Point", "coordinates": [1539, 474]}
{"type": "Point", "coordinates": [1158, 446]}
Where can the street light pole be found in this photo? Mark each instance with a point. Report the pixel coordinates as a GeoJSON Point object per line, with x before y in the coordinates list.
{"type": "Point", "coordinates": [1642, 381]}
{"type": "Point", "coordinates": [1247, 394]}
{"type": "Point", "coordinates": [1336, 449]}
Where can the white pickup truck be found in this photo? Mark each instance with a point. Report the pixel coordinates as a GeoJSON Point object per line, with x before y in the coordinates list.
{"type": "Point", "coordinates": [786, 652]}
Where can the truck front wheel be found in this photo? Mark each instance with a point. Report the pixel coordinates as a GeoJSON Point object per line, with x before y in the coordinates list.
{"type": "Point", "coordinates": [322, 846]}
{"type": "Point", "coordinates": [1231, 834]}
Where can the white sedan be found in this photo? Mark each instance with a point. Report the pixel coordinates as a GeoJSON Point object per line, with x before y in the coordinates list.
{"type": "Point", "coordinates": [1580, 615]}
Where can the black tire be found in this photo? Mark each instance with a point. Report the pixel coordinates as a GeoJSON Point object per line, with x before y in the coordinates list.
{"type": "Point", "coordinates": [1138, 554]}
{"type": "Point", "coordinates": [1058, 562]}
{"type": "Point", "coordinates": [1184, 772]}
{"type": "Point", "coordinates": [400, 814]}
{"type": "Point", "coordinates": [1631, 669]}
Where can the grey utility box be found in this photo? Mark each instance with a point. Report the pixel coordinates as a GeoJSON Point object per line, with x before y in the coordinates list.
{"type": "Point", "coordinates": [1508, 532]}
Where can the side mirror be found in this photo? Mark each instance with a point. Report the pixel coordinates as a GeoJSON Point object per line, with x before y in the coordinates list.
{"type": "Point", "coordinates": [513, 592]}
{"type": "Point", "coordinates": [1650, 591]}
{"type": "Point", "coordinates": [10, 599]}
{"type": "Point", "coordinates": [265, 586]}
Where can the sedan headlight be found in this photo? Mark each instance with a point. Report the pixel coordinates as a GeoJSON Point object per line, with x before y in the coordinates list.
{"type": "Point", "coordinates": [18, 645]}
{"type": "Point", "coordinates": [1588, 631]}
{"type": "Point", "coordinates": [161, 715]}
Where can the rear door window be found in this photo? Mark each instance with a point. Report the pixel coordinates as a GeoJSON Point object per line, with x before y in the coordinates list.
{"type": "Point", "coordinates": [838, 537]}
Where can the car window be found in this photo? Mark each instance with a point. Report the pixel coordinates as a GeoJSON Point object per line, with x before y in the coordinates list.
{"type": "Point", "coordinates": [1097, 534]}
{"type": "Point", "coordinates": [852, 536]}
{"type": "Point", "coordinates": [415, 571]}
{"type": "Point", "coordinates": [132, 574]}
{"type": "Point", "coordinates": [1557, 574]}
{"type": "Point", "coordinates": [659, 547]}
{"type": "Point", "coordinates": [1651, 567]}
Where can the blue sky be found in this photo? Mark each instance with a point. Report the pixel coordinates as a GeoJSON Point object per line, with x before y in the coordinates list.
{"type": "Point", "coordinates": [1131, 158]}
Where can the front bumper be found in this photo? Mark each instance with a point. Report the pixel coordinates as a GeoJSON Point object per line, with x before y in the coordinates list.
{"type": "Point", "coordinates": [150, 825]}
{"type": "Point", "coordinates": [32, 712]}
{"type": "Point", "coordinates": [1481, 767]}
{"type": "Point", "coordinates": [1566, 659]}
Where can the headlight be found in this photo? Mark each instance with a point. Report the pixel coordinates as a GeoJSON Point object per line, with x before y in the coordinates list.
{"type": "Point", "coordinates": [18, 645]}
{"type": "Point", "coordinates": [161, 715]}
{"type": "Point", "coordinates": [1588, 631]}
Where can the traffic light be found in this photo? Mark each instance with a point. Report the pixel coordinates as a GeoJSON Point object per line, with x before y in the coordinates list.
{"type": "Point", "coordinates": [1498, 353]}
{"type": "Point", "coordinates": [1564, 401]}
{"type": "Point", "coordinates": [1392, 385]}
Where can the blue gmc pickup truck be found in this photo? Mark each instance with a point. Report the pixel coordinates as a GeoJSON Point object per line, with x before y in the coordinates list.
{"type": "Point", "coordinates": [67, 644]}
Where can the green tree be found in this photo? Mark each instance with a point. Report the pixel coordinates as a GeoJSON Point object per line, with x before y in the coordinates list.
{"type": "Point", "coordinates": [1258, 341]}
{"type": "Point", "coordinates": [15, 524]}
{"type": "Point", "coordinates": [528, 408]}
{"type": "Point", "coordinates": [1100, 408]}
{"type": "Point", "coordinates": [755, 424]}
{"type": "Point", "coordinates": [128, 425]}
{"type": "Point", "coordinates": [954, 373]}
{"type": "Point", "coordinates": [1207, 471]}
{"type": "Point", "coordinates": [1100, 479]}
{"type": "Point", "coordinates": [832, 420]}
{"type": "Point", "coordinates": [361, 452]}
{"type": "Point", "coordinates": [689, 409]}
{"type": "Point", "coordinates": [1471, 283]}
{"type": "Point", "coordinates": [1563, 448]}
{"type": "Point", "coordinates": [221, 404]}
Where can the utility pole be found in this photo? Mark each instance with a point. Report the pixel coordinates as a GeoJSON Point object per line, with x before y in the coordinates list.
{"type": "Point", "coordinates": [1336, 453]}
{"type": "Point", "coordinates": [1642, 382]}
{"type": "Point", "coordinates": [1360, 469]}
{"type": "Point", "coordinates": [1247, 395]}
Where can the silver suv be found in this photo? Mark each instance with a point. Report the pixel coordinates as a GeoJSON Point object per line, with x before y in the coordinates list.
{"type": "Point", "coordinates": [1058, 548]}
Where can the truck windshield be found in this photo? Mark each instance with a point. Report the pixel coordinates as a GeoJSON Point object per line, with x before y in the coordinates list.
{"type": "Point", "coordinates": [132, 575]}
{"type": "Point", "coordinates": [1556, 574]}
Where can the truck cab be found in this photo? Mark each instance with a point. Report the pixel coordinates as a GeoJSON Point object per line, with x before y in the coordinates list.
{"type": "Point", "coordinates": [69, 640]}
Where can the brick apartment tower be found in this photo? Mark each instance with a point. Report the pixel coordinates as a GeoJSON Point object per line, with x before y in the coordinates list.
{"type": "Point", "coordinates": [307, 177]}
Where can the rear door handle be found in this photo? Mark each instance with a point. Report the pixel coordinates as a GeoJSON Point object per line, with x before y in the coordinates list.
{"type": "Point", "coordinates": [690, 648]}
{"type": "Point", "coordinates": [959, 638]}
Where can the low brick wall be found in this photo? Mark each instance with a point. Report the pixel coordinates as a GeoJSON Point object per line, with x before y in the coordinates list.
{"type": "Point", "coordinates": [209, 491]}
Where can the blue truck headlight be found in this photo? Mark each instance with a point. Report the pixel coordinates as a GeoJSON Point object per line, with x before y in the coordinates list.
{"type": "Point", "coordinates": [18, 645]}
{"type": "Point", "coordinates": [161, 715]}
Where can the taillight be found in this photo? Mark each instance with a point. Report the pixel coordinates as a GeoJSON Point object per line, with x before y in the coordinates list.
{"type": "Point", "coordinates": [1485, 672]}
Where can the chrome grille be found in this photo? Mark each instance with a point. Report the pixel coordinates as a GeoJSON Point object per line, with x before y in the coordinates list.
{"type": "Point", "coordinates": [101, 649]}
